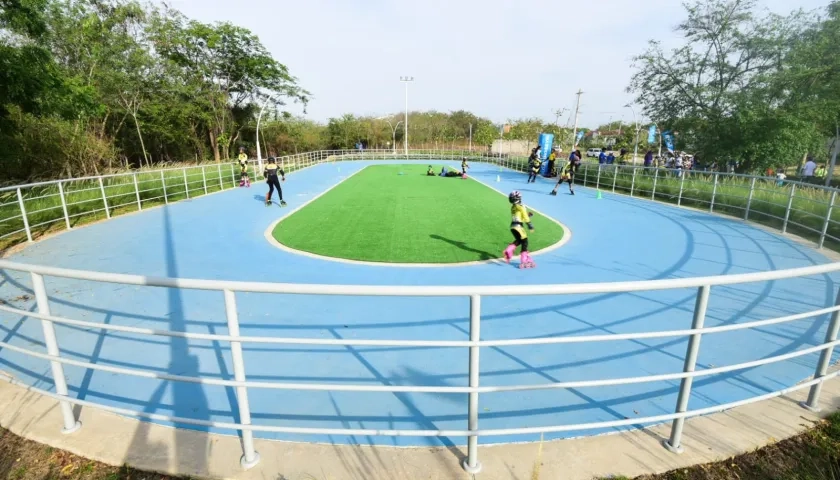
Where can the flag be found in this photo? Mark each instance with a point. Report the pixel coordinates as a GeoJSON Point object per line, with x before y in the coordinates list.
{"type": "Point", "coordinates": [579, 136]}
{"type": "Point", "coordinates": [668, 137]}
{"type": "Point", "coordinates": [652, 134]}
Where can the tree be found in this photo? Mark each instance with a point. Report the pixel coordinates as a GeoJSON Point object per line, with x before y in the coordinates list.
{"type": "Point", "coordinates": [810, 79]}
{"type": "Point", "coordinates": [719, 85]}
{"type": "Point", "coordinates": [228, 69]}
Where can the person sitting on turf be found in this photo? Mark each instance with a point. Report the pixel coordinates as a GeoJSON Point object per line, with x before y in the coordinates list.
{"type": "Point", "coordinates": [430, 172]}
{"type": "Point", "coordinates": [448, 173]}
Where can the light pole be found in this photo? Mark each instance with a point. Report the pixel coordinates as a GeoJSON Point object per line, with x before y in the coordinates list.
{"type": "Point", "coordinates": [406, 81]}
{"type": "Point", "coordinates": [393, 132]}
{"type": "Point", "coordinates": [259, 118]}
{"type": "Point", "coordinates": [636, 140]}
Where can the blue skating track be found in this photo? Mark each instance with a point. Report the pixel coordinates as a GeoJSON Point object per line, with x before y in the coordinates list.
{"type": "Point", "coordinates": [221, 236]}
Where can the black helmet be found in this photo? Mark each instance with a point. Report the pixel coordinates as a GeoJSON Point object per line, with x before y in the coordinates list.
{"type": "Point", "coordinates": [515, 197]}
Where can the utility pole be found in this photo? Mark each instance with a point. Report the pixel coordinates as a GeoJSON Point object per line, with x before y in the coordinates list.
{"type": "Point", "coordinates": [577, 112]}
{"type": "Point", "coordinates": [406, 81]}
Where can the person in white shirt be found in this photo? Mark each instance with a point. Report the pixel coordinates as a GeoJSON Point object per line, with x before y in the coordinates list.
{"type": "Point", "coordinates": [809, 168]}
{"type": "Point", "coordinates": [780, 177]}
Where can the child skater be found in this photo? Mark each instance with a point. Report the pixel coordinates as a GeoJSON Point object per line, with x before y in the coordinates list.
{"type": "Point", "coordinates": [567, 174]}
{"type": "Point", "coordinates": [535, 163]}
{"type": "Point", "coordinates": [464, 166]}
{"type": "Point", "coordinates": [520, 216]}
{"type": "Point", "coordinates": [244, 179]}
{"type": "Point", "coordinates": [270, 174]}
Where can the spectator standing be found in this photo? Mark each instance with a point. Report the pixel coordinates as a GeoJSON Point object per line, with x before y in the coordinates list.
{"type": "Point", "coordinates": [809, 169]}
{"type": "Point", "coordinates": [648, 158]}
{"type": "Point", "coordinates": [602, 157]}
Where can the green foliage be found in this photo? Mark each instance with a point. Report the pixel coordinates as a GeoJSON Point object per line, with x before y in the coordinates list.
{"type": "Point", "coordinates": [743, 86]}
{"type": "Point", "coordinates": [139, 82]}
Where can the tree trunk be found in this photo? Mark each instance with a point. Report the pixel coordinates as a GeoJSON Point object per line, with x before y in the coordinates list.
{"type": "Point", "coordinates": [140, 136]}
{"type": "Point", "coordinates": [214, 144]}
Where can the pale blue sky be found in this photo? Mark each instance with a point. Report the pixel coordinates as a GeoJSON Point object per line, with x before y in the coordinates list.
{"type": "Point", "coordinates": [497, 58]}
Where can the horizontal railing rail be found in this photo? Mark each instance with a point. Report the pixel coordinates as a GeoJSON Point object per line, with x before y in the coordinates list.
{"type": "Point", "coordinates": [474, 345]}
{"type": "Point", "coordinates": [805, 209]}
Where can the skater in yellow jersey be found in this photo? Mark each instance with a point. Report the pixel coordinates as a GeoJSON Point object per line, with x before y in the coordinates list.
{"type": "Point", "coordinates": [244, 180]}
{"type": "Point", "coordinates": [520, 216]}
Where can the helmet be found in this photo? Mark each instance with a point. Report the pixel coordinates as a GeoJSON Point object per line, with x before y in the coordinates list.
{"type": "Point", "coordinates": [463, 158]}
{"type": "Point", "coordinates": [515, 197]}
{"type": "Point", "coordinates": [271, 159]}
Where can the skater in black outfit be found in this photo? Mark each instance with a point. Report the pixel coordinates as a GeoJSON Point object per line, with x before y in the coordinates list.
{"type": "Point", "coordinates": [534, 163]}
{"type": "Point", "coordinates": [271, 178]}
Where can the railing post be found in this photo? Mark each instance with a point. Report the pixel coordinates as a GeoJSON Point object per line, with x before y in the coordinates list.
{"type": "Point", "coordinates": [471, 463]}
{"type": "Point", "coordinates": [655, 177]}
{"type": "Point", "coordinates": [789, 205]}
{"type": "Point", "coordinates": [137, 193]}
{"type": "Point", "coordinates": [827, 218]}
{"type": "Point", "coordinates": [186, 185]}
{"type": "Point", "coordinates": [163, 183]}
{"type": "Point", "coordinates": [63, 204]}
{"type": "Point", "coordinates": [633, 182]}
{"type": "Point", "coordinates": [679, 197]}
{"type": "Point", "coordinates": [585, 175]}
{"type": "Point", "coordinates": [615, 176]}
{"type": "Point", "coordinates": [233, 175]}
{"type": "Point", "coordinates": [693, 349]}
{"type": "Point", "coordinates": [749, 199]}
{"type": "Point", "coordinates": [714, 192]}
{"type": "Point", "coordinates": [104, 198]}
{"type": "Point", "coordinates": [597, 178]}
{"type": "Point", "coordinates": [812, 403]}
{"type": "Point", "coordinates": [204, 179]}
{"type": "Point", "coordinates": [69, 418]}
{"type": "Point", "coordinates": [23, 216]}
{"type": "Point", "coordinates": [221, 184]}
{"type": "Point", "coordinates": [249, 457]}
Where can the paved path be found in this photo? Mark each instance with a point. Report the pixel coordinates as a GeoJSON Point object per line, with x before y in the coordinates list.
{"type": "Point", "coordinates": [616, 238]}
{"type": "Point", "coordinates": [119, 440]}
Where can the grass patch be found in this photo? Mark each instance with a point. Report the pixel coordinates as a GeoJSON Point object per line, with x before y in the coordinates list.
{"type": "Point", "coordinates": [813, 455]}
{"type": "Point", "coordinates": [22, 459]}
{"type": "Point", "coordinates": [397, 214]}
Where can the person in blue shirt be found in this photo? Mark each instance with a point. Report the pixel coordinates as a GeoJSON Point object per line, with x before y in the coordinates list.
{"type": "Point", "coordinates": [648, 158]}
{"type": "Point", "coordinates": [602, 158]}
{"type": "Point", "coordinates": [610, 158]}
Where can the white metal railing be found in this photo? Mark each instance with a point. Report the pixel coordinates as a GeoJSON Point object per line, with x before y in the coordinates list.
{"type": "Point", "coordinates": [807, 208]}
{"type": "Point", "coordinates": [803, 208]}
{"type": "Point", "coordinates": [229, 289]}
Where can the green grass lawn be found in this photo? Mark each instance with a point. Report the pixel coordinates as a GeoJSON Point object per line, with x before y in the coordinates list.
{"type": "Point", "coordinates": [381, 215]}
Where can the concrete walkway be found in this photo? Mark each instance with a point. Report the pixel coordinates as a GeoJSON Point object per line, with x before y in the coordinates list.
{"type": "Point", "coordinates": [112, 439]}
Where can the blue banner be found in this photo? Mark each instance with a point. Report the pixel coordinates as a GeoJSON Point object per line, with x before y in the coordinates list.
{"type": "Point", "coordinates": [652, 134]}
{"type": "Point", "coordinates": [668, 138]}
{"type": "Point", "coordinates": [546, 146]}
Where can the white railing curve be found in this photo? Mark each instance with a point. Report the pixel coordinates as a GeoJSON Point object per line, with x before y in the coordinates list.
{"type": "Point", "coordinates": [250, 457]}
{"type": "Point", "coordinates": [136, 189]}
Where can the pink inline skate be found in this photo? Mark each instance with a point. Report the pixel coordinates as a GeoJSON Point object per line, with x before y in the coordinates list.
{"type": "Point", "coordinates": [526, 261]}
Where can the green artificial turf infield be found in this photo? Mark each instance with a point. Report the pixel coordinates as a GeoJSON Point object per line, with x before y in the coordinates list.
{"type": "Point", "coordinates": [397, 214]}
